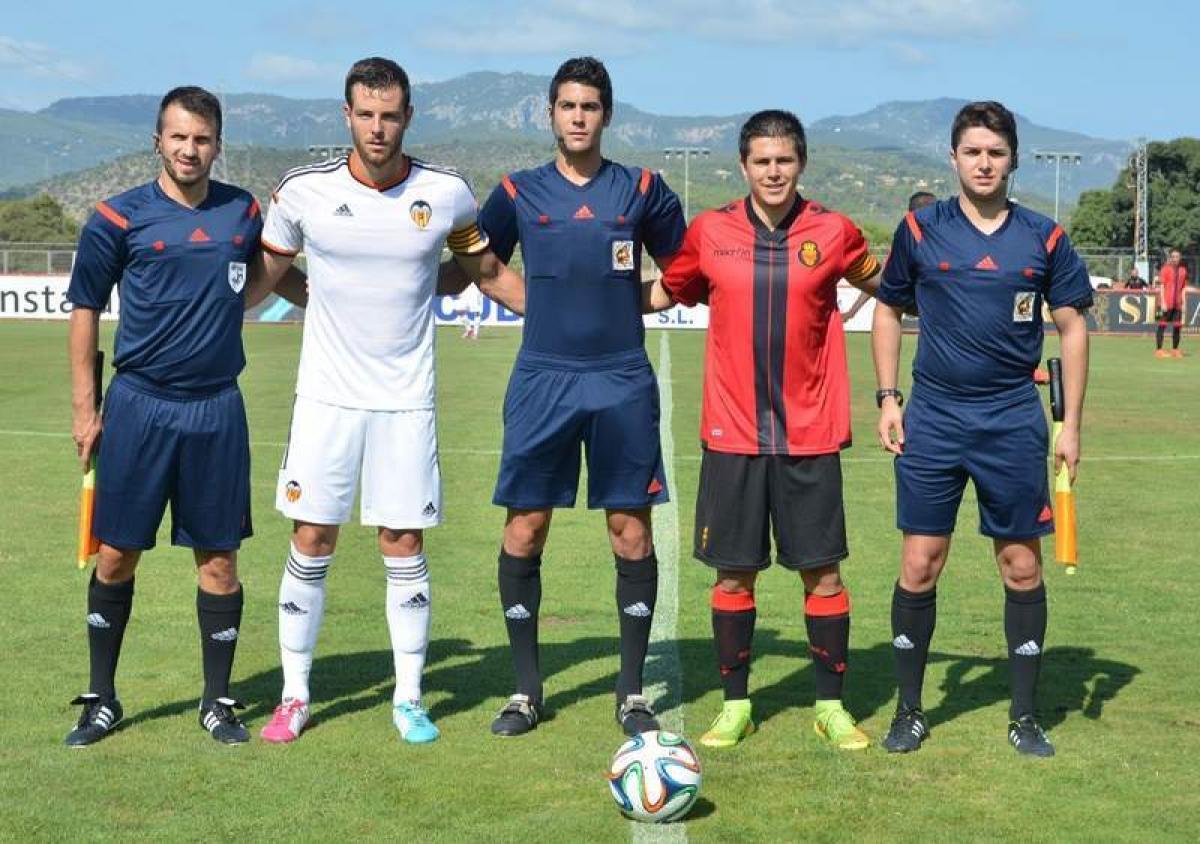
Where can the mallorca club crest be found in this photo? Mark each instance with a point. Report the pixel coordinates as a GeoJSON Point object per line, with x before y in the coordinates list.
{"type": "Point", "coordinates": [809, 254]}
{"type": "Point", "coordinates": [421, 213]}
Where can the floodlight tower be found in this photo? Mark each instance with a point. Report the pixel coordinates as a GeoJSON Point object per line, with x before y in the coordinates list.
{"type": "Point", "coordinates": [1059, 159]}
{"type": "Point", "coordinates": [687, 154]}
{"type": "Point", "coordinates": [1141, 228]}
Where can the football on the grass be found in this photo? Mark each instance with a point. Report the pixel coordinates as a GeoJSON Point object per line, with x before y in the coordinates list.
{"type": "Point", "coordinates": [655, 777]}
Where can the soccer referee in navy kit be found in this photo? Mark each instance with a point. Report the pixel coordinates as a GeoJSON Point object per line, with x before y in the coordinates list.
{"type": "Point", "coordinates": [174, 426]}
{"type": "Point", "coordinates": [980, 269]}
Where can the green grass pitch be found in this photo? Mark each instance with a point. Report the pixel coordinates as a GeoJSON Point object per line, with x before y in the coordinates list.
{"type": "Point", "coordinates": [1119, 686]}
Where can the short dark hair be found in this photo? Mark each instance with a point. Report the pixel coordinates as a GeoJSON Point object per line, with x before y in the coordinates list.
{"type": "Point", "coordinates": [990, 115]}
{"type": "Point", "coordinates": [192, 99]}
{"type": "Point", "coordinates": [378, 74]}
{"type": "Point", "coordinates": [586, 71]}
{"type": "Point", "coordinates": [773, 123]}
{"type": "Point", "coordinates": [920, 199]}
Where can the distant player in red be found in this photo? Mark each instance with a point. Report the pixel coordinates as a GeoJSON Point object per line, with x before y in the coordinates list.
{"type": "Point", "coordinates": [1172, 279]}
{"type": "Point", "coordinates": [776, 411]}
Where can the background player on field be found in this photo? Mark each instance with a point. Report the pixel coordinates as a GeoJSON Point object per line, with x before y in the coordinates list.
{"type": "Point", "coordinates": [581, 378]}
{"type": "Point", "coordinates": [776, 411]}
{"type": "Point", "coordinates": [979, 269]}
{"type": "Point", "coordinates": [174, 424]}
{"type": "Point", "coordinates": [1172, 279]}
{"type": "Point", "coordinates": [372, 225]}
{"type": "Point", "coordinates": [468, 306]}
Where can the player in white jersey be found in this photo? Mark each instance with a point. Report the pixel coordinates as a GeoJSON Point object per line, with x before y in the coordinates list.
{"type": "Point", "coordinates": [468, 306]}
{"type": "Point", "coordinates": [372, 225]}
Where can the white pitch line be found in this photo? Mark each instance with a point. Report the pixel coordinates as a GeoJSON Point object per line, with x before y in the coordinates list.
{"type": "Point", "coordinates": [664, 670]}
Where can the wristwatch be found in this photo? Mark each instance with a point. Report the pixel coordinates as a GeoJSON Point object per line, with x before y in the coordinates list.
{"type": "Point", "coordinates": [880, 395]}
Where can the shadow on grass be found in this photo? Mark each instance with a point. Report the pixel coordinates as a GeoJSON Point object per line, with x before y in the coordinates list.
{"type": "Point", "coordinates": [465, 677]}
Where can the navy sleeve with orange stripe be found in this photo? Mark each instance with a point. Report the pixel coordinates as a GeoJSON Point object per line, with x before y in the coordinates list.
{"type": "Point", "coordinates": [498, 219]}
{"type": "Point", "coordinates": [898, 287]}
{"type": "Point", "coordinates": [662, 222]}
{"type": "Point", "coordinates": [99, 259]}
{"type": "Point", "coordinates": [1067, 282]}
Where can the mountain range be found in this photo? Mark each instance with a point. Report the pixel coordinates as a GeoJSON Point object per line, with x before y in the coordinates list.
{"type": "Point", "coordinates": [488, 108]}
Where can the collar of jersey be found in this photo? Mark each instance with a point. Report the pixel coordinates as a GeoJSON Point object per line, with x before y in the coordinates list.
{"type": "Point", "coordinates": [780, 231]}
{"type": "Point", "coordinates": [359, 175]}
{"type": "Point", "coordinates": [956, 207]}
{"type": "Point", "coordinates": [604, 162]}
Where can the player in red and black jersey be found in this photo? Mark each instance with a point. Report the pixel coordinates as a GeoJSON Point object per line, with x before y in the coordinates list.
{"type": "Point", "coordinates": [1172, 279]}
{"type": "Point", "coordinates": [776, 410]}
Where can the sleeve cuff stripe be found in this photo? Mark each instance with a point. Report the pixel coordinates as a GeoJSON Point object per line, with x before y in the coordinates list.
{"type": "Point", "coordinates": [863, 268]}
{"type": "Point", "coordinates": [278, 250]}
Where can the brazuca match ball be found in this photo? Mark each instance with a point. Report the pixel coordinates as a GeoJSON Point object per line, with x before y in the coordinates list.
{"type": "Point", "coordinates": [655, 777]}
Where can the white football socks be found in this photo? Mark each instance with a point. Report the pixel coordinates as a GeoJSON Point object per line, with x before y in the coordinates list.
{"type": "Point", "coordinates": [301, 609]}
{"type": "Point", "coordinates": [408, 602]}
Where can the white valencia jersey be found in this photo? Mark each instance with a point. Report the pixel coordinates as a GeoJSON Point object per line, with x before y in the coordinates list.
{"type": "Point", "coordinates": [373, 253]}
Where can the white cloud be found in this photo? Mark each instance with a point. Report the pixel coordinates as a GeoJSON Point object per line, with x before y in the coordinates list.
{"type": "Point", "coordinates": [535, 31]}
{"type": "Point", "coordinates": [621, 27]}
{"type": "Point", "coordinates": [283, 69]}
{"type": "Point", "coordinates": [30, 58]}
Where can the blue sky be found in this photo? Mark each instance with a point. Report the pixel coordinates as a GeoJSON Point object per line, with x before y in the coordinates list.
{"type": "Point", "coordinates": [1106, 68]}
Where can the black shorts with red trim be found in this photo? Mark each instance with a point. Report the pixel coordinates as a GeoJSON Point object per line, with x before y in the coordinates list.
{"type": "Point", "coordinates": [1172, 316]}
{"type": "Point", "coordinates": [744, 498]}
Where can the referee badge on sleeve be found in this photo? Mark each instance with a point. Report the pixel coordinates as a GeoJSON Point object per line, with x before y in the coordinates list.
{"type": "Point", "coordinates": [237, 276]}
{"type": "Point", "coordinates": [622, 255]}
{"type": "Point", "coordinates": [1023, 305]}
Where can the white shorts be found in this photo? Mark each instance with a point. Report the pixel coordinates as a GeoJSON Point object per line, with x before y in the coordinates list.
{"type": "Point", "coordinates": [395, 451]}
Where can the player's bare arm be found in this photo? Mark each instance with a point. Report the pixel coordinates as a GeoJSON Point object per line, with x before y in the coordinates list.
{"type": "Point", "coordinates": [1073, 338]}
{"type": "Point", "coordinates": [273, 271]}
{"type": "Point", "coordinates": [655, 297]}
{"type": "Point", "coordinates": [495, 279]}
{"type": "Point", "coordinates": [452, 279]}
{"type": "Point", "coordinates": [885, 349]}
{"type": "Point", "coordinates": [82, 339]}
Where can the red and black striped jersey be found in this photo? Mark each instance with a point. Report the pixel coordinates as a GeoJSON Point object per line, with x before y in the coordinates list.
{"type": "Point", "coordinates": [1172, 279]}
{"type": "Point", "coordinates": [775, 376]}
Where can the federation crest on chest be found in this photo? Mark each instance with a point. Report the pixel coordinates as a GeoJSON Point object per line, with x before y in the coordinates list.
{"type": "Point", "coordinates": [237, 276]}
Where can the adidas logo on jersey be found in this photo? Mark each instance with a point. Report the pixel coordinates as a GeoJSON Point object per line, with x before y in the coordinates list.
{"type": "Point", "coordinates": [584, 213]}
{"type": "Point", "coordinates": [638, 610]}
{"type": "Point", "coordinates": [416, 602]}
{"type": "Point", "coordinates": [903, 643]}
{"type": "Point", "coordinates": [1030, 648]}
{"type": "Point", "coordinates": [229, 634]}
{"type": "Point", "coordinates": [429, 510]}
{"type": "Point", "coordinates": [986, 263]}
{"type": "Point", "coordinates": [98, 621]}
{"type": "Point", "coordinates": [517, 612]}
{"type": "Point", "coordinates": [292, 609]}
{"type": "Point", "coordinates": [343, 210]}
